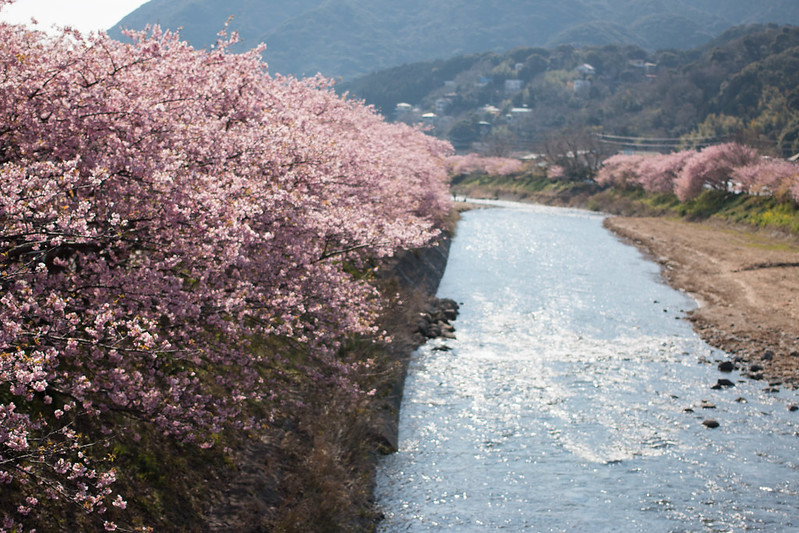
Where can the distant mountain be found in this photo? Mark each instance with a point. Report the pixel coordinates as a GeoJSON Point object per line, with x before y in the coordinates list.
{"type": "Point", "coordinates": [346, 38]}
{"type": "Point", "coordinates": [199, 21]}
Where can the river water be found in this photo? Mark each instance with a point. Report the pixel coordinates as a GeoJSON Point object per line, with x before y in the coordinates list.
{"type": "Point", "coordinates": [564, 403]}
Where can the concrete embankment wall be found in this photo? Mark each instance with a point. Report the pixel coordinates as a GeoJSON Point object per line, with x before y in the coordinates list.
{"type": "Point", "coordinates": [418, 273]}
{"type": "Point", "coordinates": [423, 269]}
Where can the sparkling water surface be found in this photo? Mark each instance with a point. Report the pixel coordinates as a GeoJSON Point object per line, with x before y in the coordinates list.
{"type": "Point", "coordinates": [561, 405]}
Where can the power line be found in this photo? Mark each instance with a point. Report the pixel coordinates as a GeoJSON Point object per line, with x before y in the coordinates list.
{"type": "Point", "coordinates": [654, 139]}
{"type": "Point", "coordinates": [655, 143]}
{"type": "Point", "coordinates": [650, 145]}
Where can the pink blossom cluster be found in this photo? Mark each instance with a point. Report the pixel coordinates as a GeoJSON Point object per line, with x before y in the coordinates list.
{"type": "Point", "coordinates": [476, 164]}
{"type": "Point", "coordinates": [619, 170]}
{"type": "Point", "coordinates": [727, 167]}
{"type": "Point", "coordinates": [556, 172]}
{"type": "Point", "coordinates": [773, 177]}
{"type": "Point", "coordinates": [161, 208]}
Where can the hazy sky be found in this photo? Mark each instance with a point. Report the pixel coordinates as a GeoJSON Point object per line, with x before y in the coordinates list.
{"type": "Point", "coordinates": [84, 15]}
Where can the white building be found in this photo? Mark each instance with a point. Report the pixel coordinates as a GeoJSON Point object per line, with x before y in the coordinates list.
{"type": "Point", "coordinates": [513, 86]}
{"type": "Point", "coordinates": [518, 113]}
{"type": "Point", "coordinates": [401, 109]}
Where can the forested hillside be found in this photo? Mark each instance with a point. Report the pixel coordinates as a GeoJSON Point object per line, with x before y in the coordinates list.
{"type": "Point", "coordinates": [344, 38]}
{"type": "Point", "coordinates": [744, 85]}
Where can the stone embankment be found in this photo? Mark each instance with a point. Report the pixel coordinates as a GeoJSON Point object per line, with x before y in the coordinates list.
{"type": "Point", "coordinates": [418, 273]}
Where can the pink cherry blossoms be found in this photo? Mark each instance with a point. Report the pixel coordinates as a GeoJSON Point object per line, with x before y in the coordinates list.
{"type": "Point", "coordinates": [726, 167]}
{"type": "Point", "coordinates": [160, 209]}
{"type": "Point", "coordinates": [475, 163]}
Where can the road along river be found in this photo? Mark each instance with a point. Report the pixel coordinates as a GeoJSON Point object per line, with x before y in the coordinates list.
{"type": "Point", "coordinates": [575, 395]}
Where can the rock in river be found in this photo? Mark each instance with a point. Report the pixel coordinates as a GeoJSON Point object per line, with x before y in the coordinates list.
{"type": "Point", "coordinates": [723, 384]}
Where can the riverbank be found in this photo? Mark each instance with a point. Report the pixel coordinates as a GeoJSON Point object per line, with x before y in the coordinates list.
{"type": "Point", "coordinates": [746, 282]}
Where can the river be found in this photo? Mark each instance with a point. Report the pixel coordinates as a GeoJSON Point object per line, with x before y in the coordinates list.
{"type": "Point", "coordinates": [574, 396]}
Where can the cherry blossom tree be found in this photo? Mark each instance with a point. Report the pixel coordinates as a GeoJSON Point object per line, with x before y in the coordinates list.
{"type": "Point", "coordinates": [687, 173]}
{"type": "Point", "coordinates": [474, 163]}
{"type": "Point", "coordinates": [657, 174]}
{"type": "Point", "coordinates": [161, 210]}
{"type": "Point", "coordinates": [620, 170]}
{"type": "Point", "coordinates": [556, 172]}
{"type": "Point", "coordinates": [712, 168]}
{"type": "Point", "coordinates": [773, 177]}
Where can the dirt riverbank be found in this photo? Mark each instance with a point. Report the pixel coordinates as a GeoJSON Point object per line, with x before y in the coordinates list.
{"type": "Point", "coordinates": [747, 285]}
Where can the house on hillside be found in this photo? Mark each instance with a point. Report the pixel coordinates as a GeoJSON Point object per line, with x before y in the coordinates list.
{"type": "Point", "coordinates": [581, 86]}
{"type": "Point", "coordinates": [513, 86]}
{"type": "Point", "coordinates": [586, 70]}
{"type": "Point", "coordinates": [430, 119]}
{"type": "Point", "coordinates": [518, 113]}
{"type": "Point", "coordinates": [647, 67]}
{"type": "Point", "coordinates": [401, 109]}
{"type": "Point", "coordinates": [406, 113]}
